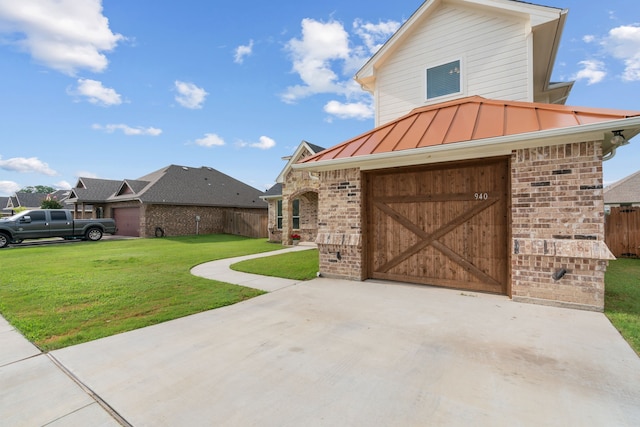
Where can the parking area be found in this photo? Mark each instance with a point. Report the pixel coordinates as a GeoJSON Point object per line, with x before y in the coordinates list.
{"type": "Point", "coordinates": [332, 352]}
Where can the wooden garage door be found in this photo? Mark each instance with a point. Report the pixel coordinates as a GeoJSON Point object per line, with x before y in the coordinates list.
{"type": "Point", "coordinates": [444, 225]}
{"type": "Point", "coordinates": [127, 221]}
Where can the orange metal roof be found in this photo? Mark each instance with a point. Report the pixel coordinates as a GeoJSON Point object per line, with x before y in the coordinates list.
{"type": "Point", "coordinates": [466, 119]}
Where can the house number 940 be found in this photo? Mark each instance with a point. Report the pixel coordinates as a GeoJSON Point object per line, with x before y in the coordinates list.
{"type": "Point", "coordinates": [481, 196]}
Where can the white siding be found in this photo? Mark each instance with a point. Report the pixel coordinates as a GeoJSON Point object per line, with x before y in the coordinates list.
{"type": "Point", "coordinates": [493, 50]}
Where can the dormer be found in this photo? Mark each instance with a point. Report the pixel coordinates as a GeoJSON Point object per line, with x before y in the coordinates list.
{"type": "Point", "coordinates": [450, 49]}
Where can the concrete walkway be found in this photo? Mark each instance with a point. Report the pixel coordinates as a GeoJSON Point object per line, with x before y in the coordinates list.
{"type": "Point", "coordinates": [339, 353]}
{"type": "Point", "coordinates": [220, 270]}
{"type": "Point", "coordinates": [34, 391]}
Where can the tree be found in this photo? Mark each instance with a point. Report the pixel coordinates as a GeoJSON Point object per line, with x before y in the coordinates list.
{"type": "Point", "coordinates": [40, 189]}
{"type": "Point", "coordinates": [50, 203]}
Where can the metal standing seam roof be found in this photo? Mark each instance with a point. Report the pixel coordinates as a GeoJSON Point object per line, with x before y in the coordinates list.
{"type": "Point", "coordinates": [466, 119]}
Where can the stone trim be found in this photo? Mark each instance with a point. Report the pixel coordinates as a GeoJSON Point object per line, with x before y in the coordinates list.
{"type": "Point", "coordinates": [588, 249]}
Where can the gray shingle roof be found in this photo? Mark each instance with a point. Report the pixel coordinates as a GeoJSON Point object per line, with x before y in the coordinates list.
{"type": "Point", "coordinates": [94, 190]}
{"type": "Point", "coordinates": [181, 185]}
{"type": "Point", "coordinates": [627, 190]}
{"type": "Point", "coordinates": [276, 190]}
{"type": "Point", "coordinates": [316, 148]}
{"type": "Point", "coordinates": [29, 200]}
{"type": "Point", "coordinates": [175, 185]}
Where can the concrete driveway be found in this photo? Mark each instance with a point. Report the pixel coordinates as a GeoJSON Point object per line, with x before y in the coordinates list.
{"type": "Point", "coordinates": [341, 353]}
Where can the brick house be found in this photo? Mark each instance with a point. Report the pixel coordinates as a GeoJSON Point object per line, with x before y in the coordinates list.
{"type": "Point", "coordinates": [476, 175]}
{"type": "Point", "coordinates": [293, 200]}
{"type": "Point", "coordinates": [29, 200]}
{"type": "Point", "coordinates": [173, 201]}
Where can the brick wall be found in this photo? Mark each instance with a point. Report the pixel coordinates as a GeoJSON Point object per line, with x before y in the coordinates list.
{"type": "Point", "coordinates": [181, 220]}
{"type": "Point", "coordinates": [557, 219]}
{"type": "Point", "coordinates": [275, 234]}
{"type": "Point", "coordinates": [558, 224]}
{"type": "Point", "coordinates": [339, 224]}
{"type": "Point", "coordinates": [303, 186]}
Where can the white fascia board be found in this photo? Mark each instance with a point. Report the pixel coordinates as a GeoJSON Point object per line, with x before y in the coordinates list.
{"type": "Point", "coordinates": [538, 14]}
{"type": "Point", "coordinates": [488, 147]}
{"type": "Point", "coordinates": [366, 74]}
{"type": "Point", "coordinates": [291, 160]}
{"type": "Point", "coordinates": [273, 197]}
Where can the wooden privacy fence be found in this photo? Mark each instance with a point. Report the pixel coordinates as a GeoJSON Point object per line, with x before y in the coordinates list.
{"type": "Point", "coordinates": [248, 224]}
{"type": "Point", "coordinates": [622, 231]}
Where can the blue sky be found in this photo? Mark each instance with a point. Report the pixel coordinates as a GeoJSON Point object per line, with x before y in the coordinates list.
{"type": "Point", "coordinates": [117, 89]}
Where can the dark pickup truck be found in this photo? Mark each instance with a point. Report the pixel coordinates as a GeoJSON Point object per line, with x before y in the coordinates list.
{"type": "Point", "coordinates": [40, 223]}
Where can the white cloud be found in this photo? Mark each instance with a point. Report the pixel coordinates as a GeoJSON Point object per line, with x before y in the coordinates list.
{"type": "Point", "coordinates": [325, 59]}
{"type": "Point", "coordinates": [588, 38]}
{"type": "Point", "coordinates": [9, 187]}
{"type": "Point", "coordinates": [65, 35]}
{"type": "Point", "coordinates": [62, 185]}
{"type": "Point", "coordinates": [264, 143]}
{"type": "Point", "coordinates": [312, 56]}
{"type": "Point", "coordinates": [27, 165]}
{"type": "Point", "coordinates": [593, 71]}
{"type": "Point", "coordinates": [128, 130]}
{"type": "Point", "coordinates": [189, 95]}
{"type": "Point", "coordinates": [210, 140]}
{"type": "Point", "coordinates": [242, 51]}
{"type": "Point", "coordinates": [375, 35]}
{"type": "Point", "coordinates": [352, 110]}
{"type": "Point", "coordinates": [96, 93]}
{"type": "Point", "coordinates": [623, 43]}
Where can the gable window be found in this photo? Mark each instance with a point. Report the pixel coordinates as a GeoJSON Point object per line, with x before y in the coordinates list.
{"type": "Point", "coordinates": [444, 79]}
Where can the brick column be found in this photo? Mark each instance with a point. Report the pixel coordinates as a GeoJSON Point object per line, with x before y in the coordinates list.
{"type": "Point", "coordinates": [339, 224]}
{"type": "Point", "coordinates": [558, 252]}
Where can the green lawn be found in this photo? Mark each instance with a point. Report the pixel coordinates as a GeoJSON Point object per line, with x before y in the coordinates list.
{"type": "Point", "coordinates": [301, 265]}
{"type": "Point", "coordinates": [67, 294]}
{"type": "Point", "coordinates": [71, 293]}
{"type": "Point", "coordinates": [622, 299]}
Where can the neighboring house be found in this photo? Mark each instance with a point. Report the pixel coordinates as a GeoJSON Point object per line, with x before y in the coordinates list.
{"type": "Point", "coordinates": [175, 200]}
{"type": "Point", "coordinates": [89, 197]}
{"type": "Point", "coordinates": [625, 192]}
{"type": "Point", "coordinates": [476, 176]}
{"type": "Point", "coordinates": [297, 212]}
{"type": "Point", "coordinates": [622, 208]}
{"type": "Point", "coordinates": [31, 200]}
{"type": "Point", "coordinates": [4, 206]}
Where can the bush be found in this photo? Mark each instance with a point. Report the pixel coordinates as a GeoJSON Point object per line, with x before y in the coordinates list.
{"type": "Point", "coordinates": [51, 204]}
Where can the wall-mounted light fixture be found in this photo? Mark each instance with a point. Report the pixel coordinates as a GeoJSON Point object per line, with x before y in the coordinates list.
{"type": "Point", "coordinates": [618, 138]}
{"type": "Point", "coordinates": [559, 274]}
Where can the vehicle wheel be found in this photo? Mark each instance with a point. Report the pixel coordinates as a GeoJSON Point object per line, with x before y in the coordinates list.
{"type": "Point", "coordinates": [94, 234]}
{"type": "Point", "coordinates": [4, 240]}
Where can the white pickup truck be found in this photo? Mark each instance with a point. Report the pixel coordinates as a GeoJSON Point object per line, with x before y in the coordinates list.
{"type": "Point", "coordinates": [40, 223]}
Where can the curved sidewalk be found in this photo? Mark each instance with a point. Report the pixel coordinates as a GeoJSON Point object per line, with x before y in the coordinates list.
{"type": "Point", "coordinates": [221, 270]}
{"type": "Point", "coordinates": [36, 390]}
